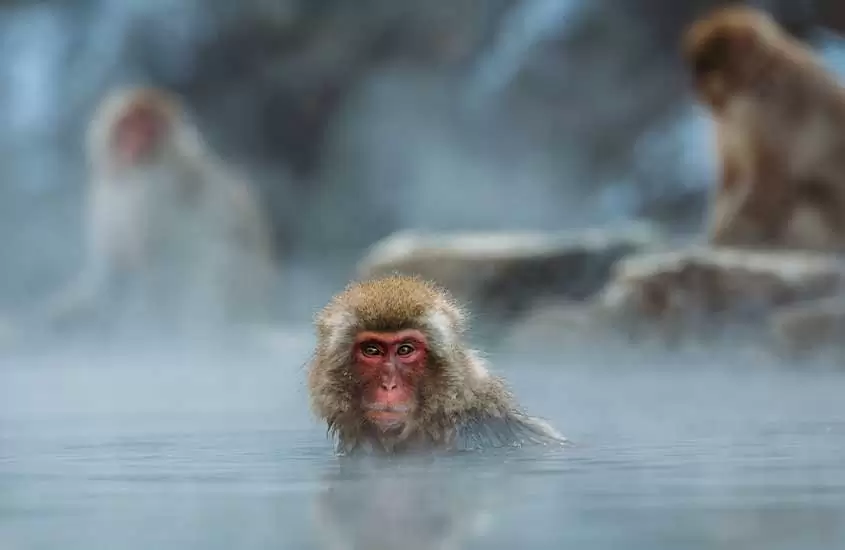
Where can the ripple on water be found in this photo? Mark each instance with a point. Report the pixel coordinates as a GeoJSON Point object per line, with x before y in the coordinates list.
{"type": "Point", "coordinates": [662, 459]}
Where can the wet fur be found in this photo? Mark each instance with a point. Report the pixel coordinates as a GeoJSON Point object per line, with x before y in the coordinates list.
{"type": "Point", "coordinates": [461, 405]}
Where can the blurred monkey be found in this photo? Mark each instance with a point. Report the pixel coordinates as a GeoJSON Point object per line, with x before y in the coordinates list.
{"type": "Point", "coordinates": [780, 125]}
{"type": "Point", "coordinates": [171, 235]}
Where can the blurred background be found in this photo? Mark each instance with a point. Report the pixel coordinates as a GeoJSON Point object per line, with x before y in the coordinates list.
{"type": "Point", "coordinates": [356, 119]}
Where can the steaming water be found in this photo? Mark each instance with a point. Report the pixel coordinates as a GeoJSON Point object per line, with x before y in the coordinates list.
{"type": "Point", "coordinates": [200, 451]}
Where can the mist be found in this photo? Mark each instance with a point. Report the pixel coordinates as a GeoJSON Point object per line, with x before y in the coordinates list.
{"type": "Point", "coordinates": [354, 121]}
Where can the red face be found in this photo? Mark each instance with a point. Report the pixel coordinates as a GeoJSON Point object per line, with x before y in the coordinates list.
{"type": "Point", "coordinates": [390, 364]}
{"type": "Point", "coordinates": [136, 134]}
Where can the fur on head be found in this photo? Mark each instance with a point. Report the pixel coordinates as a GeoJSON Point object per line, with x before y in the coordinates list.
{"type": "Point", "coordinates": [729, 48]}
{"type": "Point", "coordinates": [457, 382]}
{"type": "Point", "coordinates": [178, 129]}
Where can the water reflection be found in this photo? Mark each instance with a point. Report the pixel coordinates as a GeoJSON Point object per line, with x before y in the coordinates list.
{"type": "Point", "coordinates": [221, 453]}
{"type": "Point", "coordinates": [383, 504]}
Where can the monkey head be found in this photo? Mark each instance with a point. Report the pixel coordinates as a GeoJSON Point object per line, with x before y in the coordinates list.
{"type": "Point", "coordinates": [389, 361]}
{"type": "Point", "coordinates": [138, 126]}
{"type": "Point", "coordinates": [727, 51]}
{"type": "Point", "coordinates": [138, 133]}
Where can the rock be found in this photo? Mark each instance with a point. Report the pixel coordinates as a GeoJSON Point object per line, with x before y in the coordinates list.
{"type": "Point", "coordinates": [561, 326]}
{"type": "Point", "coordinates": [701, 290]}
{"type": "Point", "coordinates": [503, 274]}
{"type": "Point", "coordinates": [814, 327]}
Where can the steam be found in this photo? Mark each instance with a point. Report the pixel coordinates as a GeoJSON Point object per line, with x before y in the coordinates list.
{"type": "Point", "coordinates": [203, 447]}
{"type": "Point", "coordinates": [412, 147]}
{"type": "Point", "coordinates": [524, 27]}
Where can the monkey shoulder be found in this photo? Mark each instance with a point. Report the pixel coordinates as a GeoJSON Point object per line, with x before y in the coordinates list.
{"type": "Point", "coordinates": [483, 429]}
{"type": "Point", "coordinates": [475, 431]}
{"type": "Point", "coordinates": [492, 419]}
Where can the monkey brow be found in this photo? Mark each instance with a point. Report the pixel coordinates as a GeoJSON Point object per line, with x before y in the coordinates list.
{"type": "Point", "coordinates": [385, 324]}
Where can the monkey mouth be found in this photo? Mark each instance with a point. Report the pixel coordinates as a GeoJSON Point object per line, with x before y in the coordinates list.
{"type": "Point", "coordinates": [387, 416]}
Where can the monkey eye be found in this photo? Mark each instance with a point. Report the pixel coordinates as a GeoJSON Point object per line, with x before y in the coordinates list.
{"type": "Point", "coordinates": [405, 349]}
{"type": "Point", "coordinates": [370, 350]}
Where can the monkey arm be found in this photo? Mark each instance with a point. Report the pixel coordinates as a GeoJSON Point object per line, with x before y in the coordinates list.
{"type": "Point", "coordinates": [77, 301]}
{"type": "Point", "coordinates": [83, 298]}
{"type": "Point", "coordinates": [727, 224]}
{"type": "Point", "coordinates": [752, 200]}
{"type": "Point", "coordinates": [731, 193]}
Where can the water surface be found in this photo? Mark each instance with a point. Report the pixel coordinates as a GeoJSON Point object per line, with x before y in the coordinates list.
{"type": "Point", "coordinates": [206, 451]}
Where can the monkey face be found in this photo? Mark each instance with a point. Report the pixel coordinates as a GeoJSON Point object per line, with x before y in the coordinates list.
{"type": "Point", "coordinates": [726, 51]}
{"type": "Point", "coordinates": [389, 366]}
{"type": "Point", "coordinates": [137, 134]}
{"type": "Point", "coordinates": [713, 64]}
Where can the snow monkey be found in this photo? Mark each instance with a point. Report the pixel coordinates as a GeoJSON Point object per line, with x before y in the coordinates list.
{"type": "Point", "coordinates": [391, 374]}
{"type": "Point", "coordinates": [169, 230]}
{"type": "Point", "coordinates": [780, 130]}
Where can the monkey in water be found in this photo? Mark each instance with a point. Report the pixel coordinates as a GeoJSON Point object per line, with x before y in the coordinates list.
{"type": "Point", "coordinates": [392, 374]}
{"type": "Point", "coordinates": [169, 231]}
{"type": "Point", "coordinates": [780, 132]}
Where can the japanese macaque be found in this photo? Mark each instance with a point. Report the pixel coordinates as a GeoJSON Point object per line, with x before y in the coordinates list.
{"type": "Point", "coordinates": [392, 374]}
{"type": "Point", "coordinates": [169, 231]}
{"type": "Point", "coordinates": [780, 128]}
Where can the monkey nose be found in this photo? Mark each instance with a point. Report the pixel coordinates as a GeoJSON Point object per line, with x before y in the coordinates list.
{"type": "Point", "coordinates": [388, 385]}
